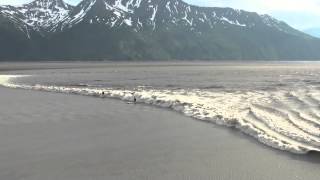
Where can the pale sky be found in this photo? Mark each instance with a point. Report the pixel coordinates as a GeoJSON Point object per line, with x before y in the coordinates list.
{"type": "Point", "coordinates": [301, 14]}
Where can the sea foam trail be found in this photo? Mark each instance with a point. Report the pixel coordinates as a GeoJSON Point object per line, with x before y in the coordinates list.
{"type": "Point", "coordinates": [284, 128]}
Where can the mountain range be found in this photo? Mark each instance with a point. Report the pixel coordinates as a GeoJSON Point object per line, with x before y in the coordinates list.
{"type": "Point", "coordinates": [146, 30]}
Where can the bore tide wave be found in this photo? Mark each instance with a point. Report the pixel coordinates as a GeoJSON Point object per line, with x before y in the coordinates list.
{"type": "Point", "coordinates": [285, 120]}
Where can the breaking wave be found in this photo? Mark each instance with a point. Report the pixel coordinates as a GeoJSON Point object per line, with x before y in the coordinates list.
{"type": "Point", "coordinates": [285, 120]}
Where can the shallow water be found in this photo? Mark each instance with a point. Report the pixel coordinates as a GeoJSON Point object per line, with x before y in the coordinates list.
{"type": "Point", "coordinates": [276, 103]}
{"type": "Point", "coordinates": [57, 136]}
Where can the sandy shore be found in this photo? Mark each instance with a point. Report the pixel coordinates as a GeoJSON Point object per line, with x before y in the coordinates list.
{"type": "Point", "coordinates": [68, 137]}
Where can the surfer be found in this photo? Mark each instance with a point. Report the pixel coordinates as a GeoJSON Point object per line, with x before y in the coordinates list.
{"type": "Point", "coordinates": [134, 98]}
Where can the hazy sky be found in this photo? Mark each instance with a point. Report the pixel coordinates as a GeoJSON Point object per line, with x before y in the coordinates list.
{"type": "Point", "coordinates": [301, 14]}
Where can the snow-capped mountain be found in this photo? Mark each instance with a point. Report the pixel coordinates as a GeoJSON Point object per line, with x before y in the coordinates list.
{"type": "Point", "coordinates": [39, 15]}
{"type": "Point", "coordinates": [147, 29]}
{"type": "Point", "coordinates": [56, 15]}
{"type": "Point", "coordinates": [153, 14]}
{"type": "Point", "coordinates": [53, 15]}
{"type": "Point", "coordinates": [15, 17]}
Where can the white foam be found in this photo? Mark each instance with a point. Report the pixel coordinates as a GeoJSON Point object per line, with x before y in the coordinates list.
{"type": "Point", "coordinates": [251, 112]}
{"type": "Point", "coordinates": [5, 79]}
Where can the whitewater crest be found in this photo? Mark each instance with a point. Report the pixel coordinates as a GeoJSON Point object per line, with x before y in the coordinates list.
{"type": "Point", "coordinates": [285, 120]}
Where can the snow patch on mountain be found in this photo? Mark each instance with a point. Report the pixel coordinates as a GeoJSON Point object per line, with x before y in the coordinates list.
{"type": "Point", "coordinates": [42, 14]}
{"type": "Point", "coordinates": [38, 15]}
{"type": "Point", "coordinates": [236, 22]}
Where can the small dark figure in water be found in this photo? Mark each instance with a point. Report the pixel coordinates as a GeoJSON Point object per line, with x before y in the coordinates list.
{"type": "Point", "coordinates": [134, 98]}
{"type": "Point", "coordinates": [102, 93]}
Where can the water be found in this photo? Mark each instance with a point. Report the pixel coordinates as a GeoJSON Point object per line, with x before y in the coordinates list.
{"type": "Point", "coordinates": [276, 103]}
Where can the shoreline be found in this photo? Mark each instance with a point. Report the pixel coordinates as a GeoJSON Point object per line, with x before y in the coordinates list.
{"type": "Point", "coordinates": [46, 65]}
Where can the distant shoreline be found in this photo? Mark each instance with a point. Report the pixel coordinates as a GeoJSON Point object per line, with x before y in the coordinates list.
{"type": "Point", "coordinates": [37, 65]}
